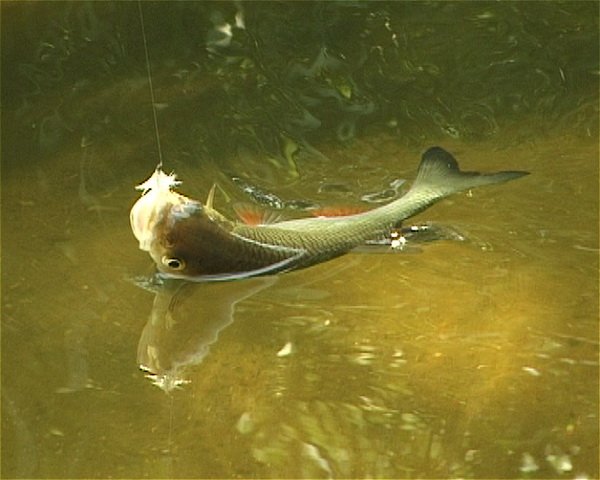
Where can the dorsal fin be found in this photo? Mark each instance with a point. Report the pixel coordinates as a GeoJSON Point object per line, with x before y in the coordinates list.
{"type": "Point", "coordinates": [211, 197]}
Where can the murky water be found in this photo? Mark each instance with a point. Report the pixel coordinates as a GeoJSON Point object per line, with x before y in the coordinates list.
{"type": "Point", "coordinates": [471, 359]}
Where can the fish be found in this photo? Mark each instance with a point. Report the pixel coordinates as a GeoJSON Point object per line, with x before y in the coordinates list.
{"type": "Point", "coordinates": [191, 240]}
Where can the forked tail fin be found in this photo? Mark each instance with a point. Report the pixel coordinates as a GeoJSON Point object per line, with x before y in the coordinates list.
{"type": "Point", "coordinates": [439, 176]}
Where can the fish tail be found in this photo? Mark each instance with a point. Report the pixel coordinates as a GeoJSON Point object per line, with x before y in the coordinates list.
{"type": "Point", "coordinates": [439, 176]}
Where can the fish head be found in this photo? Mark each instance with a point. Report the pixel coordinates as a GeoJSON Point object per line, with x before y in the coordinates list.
{"type": "Point", "coordinates": [185, 238]}
{"type": "Point", "coordinates": [179, 245]}
{"type": "Point", "coordinates": [190, 240]}
{"type": "Point", "coordinates": [155, 203]}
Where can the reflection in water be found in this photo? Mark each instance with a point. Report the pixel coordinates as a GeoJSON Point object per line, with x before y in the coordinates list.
{"type": "Point", "coordinates": [185, 321]}
{"type": "Point", "coordinates": [187, 318]}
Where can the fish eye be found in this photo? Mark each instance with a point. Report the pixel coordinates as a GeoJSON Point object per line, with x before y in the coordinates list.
{"type": "Point", "coordinates": [173, 263]}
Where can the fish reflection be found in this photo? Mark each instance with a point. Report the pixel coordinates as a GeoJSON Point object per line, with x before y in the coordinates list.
{"type": "Point", "coordinates": [185, 321]}
{"type": "Point", "coordinates": [187, 318]}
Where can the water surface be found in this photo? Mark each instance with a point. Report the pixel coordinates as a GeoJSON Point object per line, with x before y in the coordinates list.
{"type": "Point", "coordinates": [468, 359]}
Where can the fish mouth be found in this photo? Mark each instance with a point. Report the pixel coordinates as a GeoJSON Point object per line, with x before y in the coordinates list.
{"type": "Point", "coordinates": [157, 194]}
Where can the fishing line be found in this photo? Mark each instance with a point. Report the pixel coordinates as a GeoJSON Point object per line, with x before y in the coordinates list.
{"type": "Point", "coordinates": [160, 157]}
{"type": "Point", "coordinates": [160, 164]}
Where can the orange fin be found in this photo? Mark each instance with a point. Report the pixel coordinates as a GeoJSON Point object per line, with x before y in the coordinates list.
{"type": "Point", "coordinates": [254, 215]}
{"type": "Point", "coordinates": [338, 211]}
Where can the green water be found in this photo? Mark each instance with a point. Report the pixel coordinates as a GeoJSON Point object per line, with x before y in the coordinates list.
{"type": "Point", "coordinates": [455, 359]}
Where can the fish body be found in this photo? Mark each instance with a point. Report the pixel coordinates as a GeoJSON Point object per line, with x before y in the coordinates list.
{"type": "Point", "coordinates": [191, 240]}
